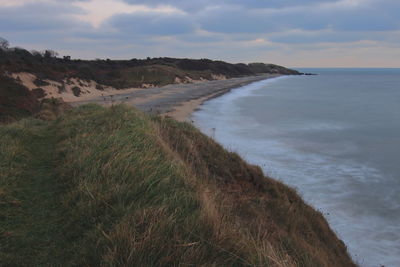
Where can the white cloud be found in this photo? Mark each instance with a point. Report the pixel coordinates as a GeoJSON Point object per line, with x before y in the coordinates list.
{"type": "Point", "coordinates": [13, 3]}
{"type": "Point", "coordinates": [97, 11]}
{"type": "Point", "coordinates": [291, 32]}
{"type": "Point", "coordinates": [257, 42]}
{"type": "Point", "coordinates": [345, 4]}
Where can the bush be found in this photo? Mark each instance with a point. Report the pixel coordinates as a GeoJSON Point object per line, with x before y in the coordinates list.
{"type": "Point", "coordinates": [39, 82]}
{"type": "Point", "coordinates": [61, 88]}
{"type": "Point", "coordinates": [16, 100]}
{"type": "Point", "coordinates": [39, 92]}
{"type": "Point", "coordinates": [76, 91]}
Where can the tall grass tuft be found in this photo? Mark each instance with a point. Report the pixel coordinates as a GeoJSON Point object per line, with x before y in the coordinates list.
{"type": "Point", "coordinates": [114, 187]}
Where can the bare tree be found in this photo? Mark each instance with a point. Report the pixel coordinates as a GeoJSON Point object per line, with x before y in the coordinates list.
{"type": "Point", "coordinates": [36, 53]}
{"type": "Point", "coordinates": [4, 44]}
{"type": "Point", "coordinates": [50, 54]}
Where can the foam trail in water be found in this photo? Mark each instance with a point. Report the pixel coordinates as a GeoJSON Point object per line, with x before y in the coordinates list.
{"type": "Point", "coordinates": [326, 172]}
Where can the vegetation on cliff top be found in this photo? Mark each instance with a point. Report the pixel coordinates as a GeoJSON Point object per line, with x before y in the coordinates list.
{"type": "Point", "coordinates": [114, 187]}
{"type": "Point", "coordinates": [95, 186]}
{"type": "Point", "coordinates": [126, 73]}
{"type": "Point", "coordinates": [17, 101]}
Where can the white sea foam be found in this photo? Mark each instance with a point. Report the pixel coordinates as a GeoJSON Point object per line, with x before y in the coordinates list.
{"type": "Point", "coordinates": [325, 159]}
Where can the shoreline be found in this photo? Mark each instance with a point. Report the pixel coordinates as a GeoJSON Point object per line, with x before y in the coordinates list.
{"type": "Point", "coordinates": [184, 111]}
{"type": "Point", "coordinates": [178, 101]}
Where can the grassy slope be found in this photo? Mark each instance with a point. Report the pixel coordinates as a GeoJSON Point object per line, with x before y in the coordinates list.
{"type": "Point", "coordinates": [16, 101]}
{"type": "Point", "coordinates": [114, 187]}
{"type": "Point", "coordinates": [128, 73]}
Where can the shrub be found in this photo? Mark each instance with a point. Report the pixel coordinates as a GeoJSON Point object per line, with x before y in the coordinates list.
{"type": "Point", "coordinates": [61, 88]}
{"type": "Point", "coordinates": [39, 92]}
{"type": "Point", "coordinates": [39, 82]}
{"type": "Point", "coordinates": [76, 91]}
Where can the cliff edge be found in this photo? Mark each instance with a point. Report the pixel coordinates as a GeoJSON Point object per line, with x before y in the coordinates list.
{"type": "Point", "coordinates": [115, 187]}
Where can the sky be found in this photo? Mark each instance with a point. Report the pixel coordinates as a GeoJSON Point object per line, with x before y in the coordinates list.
{"type": "Point", "coordinates": [293, 33]}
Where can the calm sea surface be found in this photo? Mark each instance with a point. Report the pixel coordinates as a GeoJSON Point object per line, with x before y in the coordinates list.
{"type": "Point", "coordinates": [334, 137]}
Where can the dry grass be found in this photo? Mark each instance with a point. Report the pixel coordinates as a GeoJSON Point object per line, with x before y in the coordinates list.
{"type": "Point", "coordinates": [121, 189]}
{"type": "Point", "coordinates": [269, 221]}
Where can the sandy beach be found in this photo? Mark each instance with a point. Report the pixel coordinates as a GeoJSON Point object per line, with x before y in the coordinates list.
{"type": "Point", "coordinates": [175, 100]}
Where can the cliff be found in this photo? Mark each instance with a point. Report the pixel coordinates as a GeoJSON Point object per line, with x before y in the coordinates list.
{"type": "Point", "coordinates": [113, 186]}
{"type": "Point", "coordinates": [26, 78]}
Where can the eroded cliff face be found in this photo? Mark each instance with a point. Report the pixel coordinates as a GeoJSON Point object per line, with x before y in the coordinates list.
{"type": "Point", "coordinates": [132, 73]}
{"type": "Point", "coordinates": [38, 76]}
{"type": "Point", "coordinates": [76, 89]}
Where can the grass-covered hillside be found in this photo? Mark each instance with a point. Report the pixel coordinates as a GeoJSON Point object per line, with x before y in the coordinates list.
{"type": "Point", "coordinates": [126, 73]}
{"type": "Point", "coordinates": [64, 75]}
{"type": "Point", "coordinates": [17, 101]}
{"type": "Point", "coordinates": [114, 187]}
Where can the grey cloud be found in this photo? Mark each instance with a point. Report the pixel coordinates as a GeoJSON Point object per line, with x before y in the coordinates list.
{"type": "Point", "coordinates": [237, 20]}
{"type": "Point", "coordinates": [41, 25]}
{"type": "Point", "coordinates": [193, 6]}
{"type": "Point", "coordinates": [210, 28]}
{"type": "Point", "coordinates": [328, 37]}
{"type": "Point", "coordinates": [150, 24]}
{"type": "Point", "coordinates": [37, 17]}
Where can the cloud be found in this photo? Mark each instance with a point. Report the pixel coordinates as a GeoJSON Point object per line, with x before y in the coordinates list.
{"type": "Point", "coordinates": [151, 24]}
{"type": "Point", "coordinates": [344, 15]}
{"type": "Point", "coordinates": [97, 11]}
{"type": "Point", "coordinates": [7, 3]}
{"type": "Point", "coordinates": [232, 30]}
{"type": "Point", "coordinates": [199, 5]}
{"type": "Point", "coordinates": [39, 16]}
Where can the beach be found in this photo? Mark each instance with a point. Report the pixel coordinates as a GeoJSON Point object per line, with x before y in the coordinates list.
{"type": "Point", "coordinates": [175, 100]}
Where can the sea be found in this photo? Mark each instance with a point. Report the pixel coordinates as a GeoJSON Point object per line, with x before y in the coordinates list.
{"type": "Point", "coordinates": [335, 138]}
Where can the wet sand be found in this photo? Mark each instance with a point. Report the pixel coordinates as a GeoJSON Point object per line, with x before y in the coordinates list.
{"type": "Point", "coordinates": [175, 100]}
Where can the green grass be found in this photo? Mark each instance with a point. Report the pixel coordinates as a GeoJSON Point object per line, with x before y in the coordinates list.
{"type": "Point", "coordinates": [127, 73]}
{"type": "Point", "coordinates": [114, 187]}
{"type": "Point", "coordinates": [30, 193]}
{"type": "Point", "coordinates": [16, 101]}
